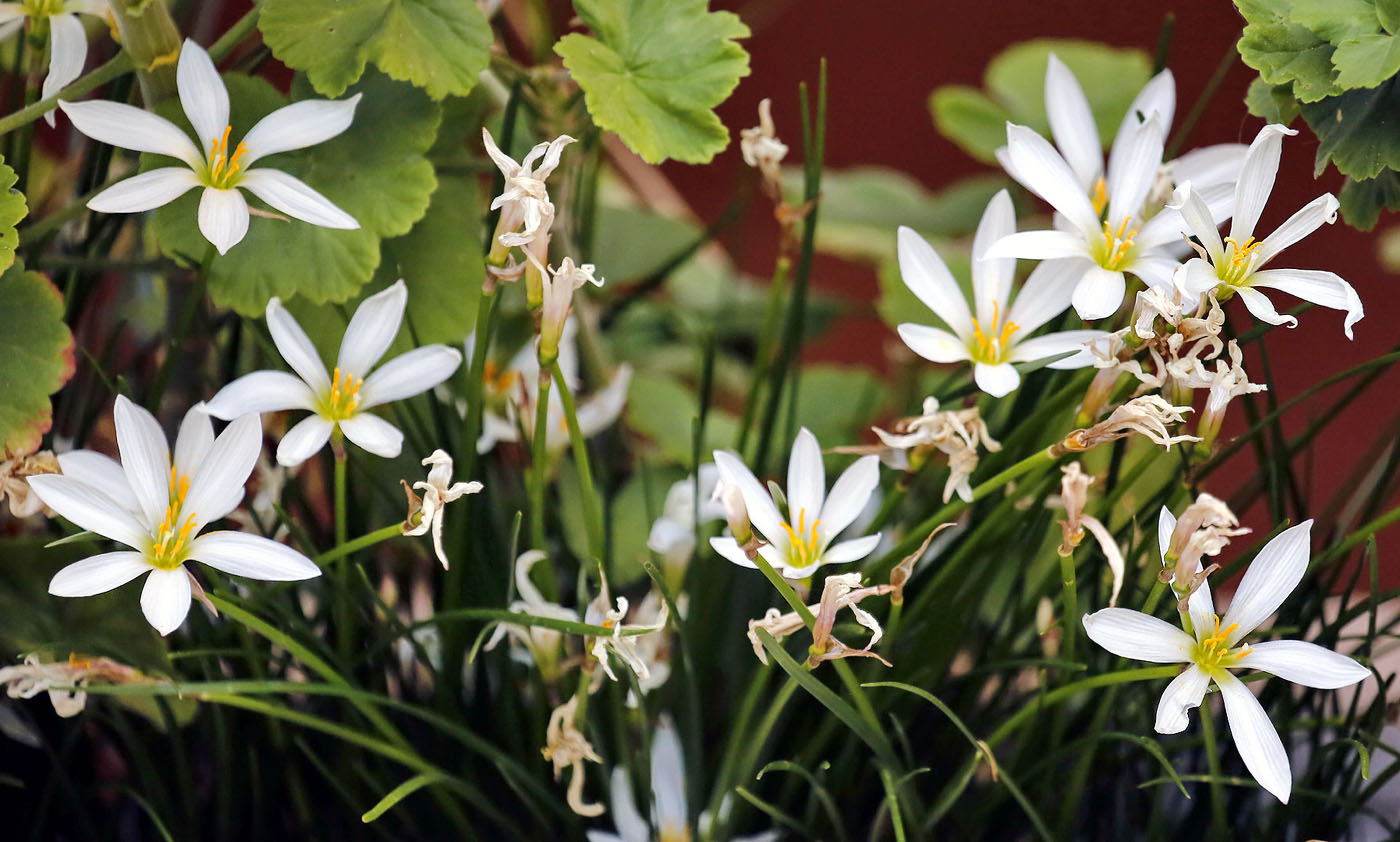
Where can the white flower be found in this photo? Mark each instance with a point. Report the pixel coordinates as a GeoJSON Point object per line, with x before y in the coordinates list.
{"type": "Point", "coordinates": [67, 39]}
{"type": "Point", "coordinates": [670, 813]}
{"type": "Point", "coordinates": [516, 390]}
{"type": "Point", "coordinates": [157, 507]}
{"type": "Point", "coordinates": [438, 491]}
{"type": "Point", "coordinates": [1148, 416]}
{"type": "Point", "coordinates": [672, 535]}
{"type": "Point", "coordinates": [542, 644]}
{"type": "Point", "coordinates": [1237, 263]}
{"type": "Point", "coordinates": [624, 638]}
{"type": "Point", "coordinates": [994, 336]}
{"type": "Point", "coordinates": [800, 544]}
{"type": "Point", "coordinates": [1216, 648]}
{"type": "Point", "coordinates": [525, 201]}
{"type": "Point", "coordinates": [215, 165]}
{"type": "Point", "coordinates": [957, 433]}
{"type": "Point", "coordinates": [339, 400]}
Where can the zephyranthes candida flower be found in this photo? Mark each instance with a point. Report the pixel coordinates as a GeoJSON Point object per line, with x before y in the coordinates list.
{"type": "Point", "coordinates": [67, 40]}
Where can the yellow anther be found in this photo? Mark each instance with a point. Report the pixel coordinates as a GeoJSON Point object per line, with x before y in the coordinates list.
{"type": "Point", "coordinates": [805, 545]}
{"type": "Point", "coordinates": [1100, 196]}
{"type": "Point", "coordinates": [223, 166]}
{"type": "Point", "coordinates": [1214, 652]}
{"type": "Point", "coordinates": [1117, 243]}
{"type": "Point", "coordinates": [991, 344]}
{"type": "Point", "coordinates": [344, 396]}
{"type": "Point", "coordinates": [170, 543]}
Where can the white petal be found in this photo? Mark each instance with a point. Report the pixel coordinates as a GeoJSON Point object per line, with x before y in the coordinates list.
{"type": "Point", "coordinates": [296, 348]}
{"type": "Point", "coordinates": [145, 191]}
{"type": "Point", "coordinates": [1039, 245]}
{"type": "Point", "coordinates": [1053, 344]}
{"type": "Point", "coordinates": [1155, 268]}
{"type": "Point", "coordinates": [996, 380]}
{"type": "Point", "coordinates": [299, 125]}
{"type": "Point", "coordinates": [1142, 637]}
{"type": "Point", "coordinates": [631, 827]}
{"type": "Point", "coordinates": [374, 434]}
{"type": "Point", "coordinates": [1256, 180]}
{"type": "Point", "coordinates": [132, 128]}
{"type": "Point", "coordinates": [852, 550]}
{"type": "Point", "coordinates": [1209, 166]}
{"type": "Point", "coordinates": [193, 441]}
{"type": "Point", "coordinates": [98, 574]}
{"type": "Point", "coordinates": [303, 440]}
{"type": "Point", "coordinates": [218, 486]}
{"type": "Point", "coordinates": [1194, 212]}
{"type": "Point", "coordinates": [806, 480]}
{"type": "Point", "coordinates": [1312, 216]}
{"type": "Point", "coordinates": [223, 217]}
{"type": "Point", "coordinates": [926, 275]}
{"type": "Point", "coordinates": [372, 329]}
{"type": "Point", "coordinates": [1324, 288]}
{"type": "Point", "coordinates": [260, 391]}
{"type": "Point", "coordinates": [1046, 293]}
{"type": "Point", "coordinates": [1197, 277]}
{"type": "Point", "coordinates": [145, 457]}
{"type": "Point", "coordinates": [668, 776]}
{"type": "Point", "coordinates": [1185, 692]}
{"type": "Point", "coordinates": [1200, 605]}
{"type": "Point", "coordinates": [762, 511]}
{"type": "Point", "coordinates": [1166, 525]}
{"type": "Point", "coordinates": [933, 344]}
{"type": "Point", "coordinates": [1099, 293]}
{"type": "Point", "coordinates": [1304, 663]}
{"type": "Point", "coordinates": [165, 600]}
{"type": "Point", "coordinates": [991, 278]}
{"type": "Point", "coordinates": [730, 549]}
{"type": "Point", "coordinates": [599, 411]}
{"type": "Point", "coordinates": [850, 495]}
{"type": "Point", "coordinates": [409, 374]}
{"type": "Point", "coordinates": [294, 197]}
{"type": "Point", "coordinates": [1255, 737]}
{"type": "Point", "coordinates": [1041, 169]}
{"type": "Point", "coordinates": [1271, 577]}
{"type": "Point", "coordinates": [1072, 122]}
{"type": "Point", "coordinates": [202, 94]}
{"type": "Point", "coordinates": [1157, 97]}
{"type": "Point", "coordinates": [90, 509]}
{"type": "Point", "coordinates": [1131, 173]}
{"type": "Point", "coordinates": [67, 54]}
{"type": "Point", "coordinates": [253, 557]}
{"type": "Point", "coordinates": [1259, 306]}
{"type": "Point", "coordinates": [101, 472]}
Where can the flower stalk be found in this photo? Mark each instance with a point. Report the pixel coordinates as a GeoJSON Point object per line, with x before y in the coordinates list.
{"type": "Point", "coordinates": [150, 37]}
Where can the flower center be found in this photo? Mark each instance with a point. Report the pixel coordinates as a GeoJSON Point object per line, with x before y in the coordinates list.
{"type": "Point", "coordinates": [991, 345]}
{"type": "Point", "coordinates": [498, 381]}
{"type": "Point", "coordinates": [344, 396]}
{"type": "Point", "coordinates": [1213, 653]}
{"type": "Point", "coordinates": [804, 545]}
{"type": "Point", "coordinates": [1099, 196]}
{"type": "Point", "coordinates": [1241, 259]}
{"type": "Point", "coordinates": [1117, 244]}
{"type": "Point", "coordinates": [671, 832]}
{"type": "Point", "coordinates": [223, 165]}
{"type": "Point", "coordinates": [42, 8]}
{"type": "Point", "coordinates": [172, 537]}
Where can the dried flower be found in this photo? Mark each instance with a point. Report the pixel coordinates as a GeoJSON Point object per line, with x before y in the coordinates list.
{"type": "Point", "coordinates": [566, 748]}
{"type": "Point", "coordinates": [15, 487]}
{"type": "Point", "coordinates": [1148, 415]}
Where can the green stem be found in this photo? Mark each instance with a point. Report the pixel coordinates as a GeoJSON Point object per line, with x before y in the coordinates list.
{"type": "Point", "coordinates": [476, 380]}
{"type": "Point", "coordinates": [342, 550]}
{"type": "Point", "coordinates": [592, 504]}
{"type": "Point", "coordinates": [786, 590]}
{"type": "Point", "coordinates": [1217, 790]}
{"type": "Point", "coordinates": [341, 524]}
{"type": "Point", "coordinates": [1071, 606]}
{"type": "Point", "coordinates": [539, 462]}
{"type": "Point", "coordinates": [344, 609]}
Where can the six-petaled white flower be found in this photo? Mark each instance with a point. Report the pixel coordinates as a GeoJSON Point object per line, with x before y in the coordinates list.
{"type": "Point", "coordinates": [995, 336]}
{"type": "Point", "coordinates": [802, 542]}
{"type": "Point", "coordinates": [438, 491]}
{"type": "Point", "coordinates": [340, 400]}
{"type": "Point", "coordinates": [220, 168]}
{"type": "Point", "coordinates": [157, 506]}
{"type": "Point", "coordinates": [1237, 263]}
{"type": "Point", "coordinates": [67, 39]}
{"type": "Point", "coordinates": [1217, 647]}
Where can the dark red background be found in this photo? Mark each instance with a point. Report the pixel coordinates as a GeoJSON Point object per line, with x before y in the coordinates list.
{"type": "Point", "coordinates": [883, 60]}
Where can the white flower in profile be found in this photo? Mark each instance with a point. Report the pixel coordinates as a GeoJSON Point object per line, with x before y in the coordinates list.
{"type": "Point", "coordinates": [672, 535]}
{"type": "Point", "coordinates": [438, 491]}
{"type": "Point", "coordinates": [340, 400]}
{"type": "Point", "coordinates": [542, 645]}
{"type": "Point", "coordinates": [1217, 647]}
{"type": "Point", "coordinates": [67, 39]}
{"type": "Point", "coordinates": [802, 542]}
{"type": "Point", "coordinates": [1237, 263]}
{"type": "Point", "coordinates": [994, 336]}
{"type": "Point", "coordinates": [525, 204]}
{"type": "Point", "coordinates": [670, 810]}
{"type": "Point", "coordinates": [213, 164]}
{"type": "Point", "coordinates": [157, 506]}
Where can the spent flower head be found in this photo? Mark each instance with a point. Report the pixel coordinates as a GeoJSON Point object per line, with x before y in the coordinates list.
{"type": "Point", "coordinates": [438, 491]}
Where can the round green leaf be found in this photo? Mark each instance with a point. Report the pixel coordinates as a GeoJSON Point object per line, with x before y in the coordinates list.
{"type": "Point", "coordinates": [12, 209]}
{"type": "Point", "coordinates": [36, 356]}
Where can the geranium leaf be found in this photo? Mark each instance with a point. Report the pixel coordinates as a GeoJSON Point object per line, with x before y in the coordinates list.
{"type": "Point", "coordinates": [36, 356]}
{"type": "Point", "coordinates": [376, 171]}
{"type": "Point", "coordinates": [1362, 201]}
{"type": "Point", "coordinates": [1366, 61]}
{"type": "Point", "coordinates": [1274, 103]}
{"type": "Point", "coordinates": [12, 209]}
{"type": "Point", "coordinates": [1358, 131]}
{"type": "Point", "coordinates": [654, 70]}
{"type": "Point", "coordinates": [1285, 52]}
{"type": "Point", "coordinates": [438, 45]}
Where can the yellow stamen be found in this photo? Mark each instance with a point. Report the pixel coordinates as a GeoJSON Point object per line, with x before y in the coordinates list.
{"type": "Point", "coordinates": [1100, 196]}
{"type": "Point", "coordinates": [170, 543]}
{"type": "Point", "coordinates": [991, 349]}
{"type": "Point", "coordinates": [1213, 652]}
{"type": "Point", "coordinates": [344, 395]}
{"type": "Point", "coordinates": [805, 546]}
{"type": "Point", "coordinates": [1242, 257]}
{"type": "Point", "coordinates": [223, 167]}
{"type": "Point", "coordinates": [1116, 243]}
